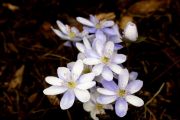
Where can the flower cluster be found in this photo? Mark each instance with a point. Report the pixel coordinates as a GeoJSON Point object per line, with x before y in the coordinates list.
{"type": "Point", "coordinates": [99, 63]}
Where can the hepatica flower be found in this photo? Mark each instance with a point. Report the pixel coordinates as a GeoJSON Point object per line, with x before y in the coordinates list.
{"type": "Point", "coordinates": [122, 93]}
{"type": "Point", "coordinates": [94, 107]}
{"type": "Point", "coordinates": [94, 24]}
{"type": "Point", "coordinates": [71, 83]}
{"type": "Point", "coordinates": [68, 33]}
{"type": "Point", "coordinates": [105, 59]}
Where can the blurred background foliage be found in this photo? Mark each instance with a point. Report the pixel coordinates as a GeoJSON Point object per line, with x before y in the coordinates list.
{"type": "Point", "coordinates": [29, 51]}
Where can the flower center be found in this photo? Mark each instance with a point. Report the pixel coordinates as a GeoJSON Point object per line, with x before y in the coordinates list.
{"type": "Point", "coordinates": [86, 70]}
{"type": "Point", "coordinates": [98, 26]}
{"type": "Point", "coordinates": [72, 35]}
{"type": "Point", "coordinates": [71, 85]}
{"type": "Point", "coordinates": [121, 93]}
{"type": "Point", "coordinates": [105, 60]}
{"type": "Point", "coordinates": [99, 106]}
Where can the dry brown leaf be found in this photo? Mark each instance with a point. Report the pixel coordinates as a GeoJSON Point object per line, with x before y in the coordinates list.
{"type": "Point", "coordinates": [11, 6]}
{"type": "Point", "coordinates": [17, 78]}
{"type": "Point", "coordinates": [106, 16]}
{"type": "Point", "coordinates": [124, 20]}
{"type": "Point", "coordinates": [53, 100]}
{"type": "Point", "coordinates": [12, 47]}
{"type": "Point", "coordinates": [32, 97]}
{"type": "Point", "coordinates": [147, 6]}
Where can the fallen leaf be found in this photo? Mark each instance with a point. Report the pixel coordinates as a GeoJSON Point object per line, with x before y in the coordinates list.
{"type": "Point", "coordinates": [32, 97]}
{"type": "Point", "coordinates": [106, 16]}
{"type": "Point", "coordinates": [148, 6]}
{"type": "Point", "coordinates": [10, 6]}
{"type": "Point", "coordinates": [124, 20]}
{"type": "Point", "coordinates": [53, 100]}
{"type": "Point", "coordinates": [17, 78]}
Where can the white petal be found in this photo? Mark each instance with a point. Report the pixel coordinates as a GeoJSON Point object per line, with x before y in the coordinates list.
{"type": "Point", "coordinates": [54, 90]}
{"type": "Point", "coordinates": [93, 115]}
{"type": "Point", "coordinates": [67, 100]}
{"type": "Point", "coordinates": [62, 27]}
{"type": "Point", "coordinates": [63, 73]}
{"type": "Point", "coordinates": [115, 68]}
{"type": "Point", "coordinates": [82, 95]}
{"type": "Point", "coordinates": [80, 47]}
{"type": "Point", "coordinates": [121, 107]}
{"type": "Point", "coordinates": [134, 86]}
{"type": "Point", "coordinates": [110, 85]}
{"type": "Point", "coordinates": [134, 100]}
{"type": "Point", "coordinates": [130, 31]}
{"type": "Point", "coordinates": [53, 80]}
{"type": "Point", "coordinates": [100, 41]}
{"type": "Point", "coordinates": [86, 43]}
{"type": "Point", "coordinates": [102, 99]}
{"type": "Point", "coordinates": [107, 74]}
{"type": "Point", "coordinates": [123, 79]}
{"type": "Point", "coordinates": [81, 56]}
{"type": "Point", "coordinates": [94, 19]}
{"type": "Point", "coordinates": [70, 65]}
{"type": "Point", "coordinates": [86, 78]}
{"type": "Point", "coordinates": [60, 34]}
{"type": "Point", "coordinates": [77, 69]}
{"type": "Point", "coordinates": [118, 58]}
{"type": "Point", "coordinates": [109, 49]}
{"type": "Point", "coordinates": [85, 21]}
{"type": "Point", "coordinates": [91, 53]}
{"type": "Point", "coordinates": [107, 24]}
{"type": "Point", "coordinates": [97, 69]}
{"type": "Point", "coordinates": [91, 61]}
{"type": "Point", "coordinates": [88, 106]}
{"type": "Point", "coordinates": [75, 30]}
{"type": "Point", "coordinates": [106, 91]}
{"type": "Point", "coordinates": [86, 85]}
{"type": "Point", "coordinates": [133, 75]}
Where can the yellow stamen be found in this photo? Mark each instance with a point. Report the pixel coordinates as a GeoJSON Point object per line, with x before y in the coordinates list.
{"type": "Point", "coordinates": [98, 26]}
{"type": "Point", "coordinates": [72, 35]}
{"type": "Point", "coordinates": [99, 106]}
{"type": "Point", "coordinates": [121, 93]}
{"type": "Point", "coordinates": [71, 85]}
{"type": "Point", "coordinates": [105, 60]}
{"type": "Point", "coordinates": [86, 70]}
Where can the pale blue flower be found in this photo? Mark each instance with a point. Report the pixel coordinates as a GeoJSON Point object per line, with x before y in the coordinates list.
{"type": "Point", "coordinates": [122, 93]}
{"type": "Point", "coordinates": [71, 83]}
{"type": "Point", "coordinates": [105, 59]}
{"type": "Point", "coordinates": [67, 33]}
{"type": "Point", "coordinates": [94, 24]}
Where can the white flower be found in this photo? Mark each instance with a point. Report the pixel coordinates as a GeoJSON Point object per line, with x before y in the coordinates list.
{"type": "Point", "coordinates": [71, 83]}
{"type": "Point", "coordinates": [94, 107]}
{"type": "Point", "coordinates": [68, 33]}
{"type": "Point", "coordinates": [121, 93]}
{"type": "Point", "coordinates": [104, 59]}
{"type": "Point", "coordinates": [130, 31]}
{"type": "Point", "coordinates": [94, 24]}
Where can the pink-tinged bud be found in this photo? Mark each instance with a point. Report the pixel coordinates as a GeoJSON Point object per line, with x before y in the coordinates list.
{"type": "Point", "coordinates": [130, 31]}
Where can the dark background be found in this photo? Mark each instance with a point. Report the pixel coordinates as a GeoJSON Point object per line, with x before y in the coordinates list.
{"type": "Point", "coordinates": [30, 51]}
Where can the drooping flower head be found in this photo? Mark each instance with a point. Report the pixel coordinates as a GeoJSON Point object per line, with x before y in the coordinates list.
{"type": "Point", "coordinates": [94, 107]}
{"type": "Point", "coordinates": [71, 83]}
{"type": "Point", "coordinates": [122, 93]}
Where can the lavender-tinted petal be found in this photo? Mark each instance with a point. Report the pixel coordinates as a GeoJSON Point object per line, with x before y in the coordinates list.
{"type": "Point", "coordinates": [110, 85]}
{"type": "Point", "coordinates": [67, 100]}
{"type": "Point", "coordinates": [121, 107]}
{"type": "Point", "coordinates": [90, 29]}
{"type": "Point", "coordinates": [97, 69]}
{"type": "Point", "coordinates": [93, 19]}
{"type": "Point", "coordinates": [77, 69]}
{"type": "Point", "coordinates": [62, 27]}
{"type": "Point", "coordinates": [123, 79]}
{"type": "Point", "coordinates": [133, 75]}
{"type": "Point", "coordinates": [82, 95]}
{"type": "Point", "coordinates": [118, 58]}
{"type": "Point", "coordinates": [134, 86]}
{"type": "Point", "coordinates": [107, 24]}
{"type": "Point", "coordinates": [107, 74]}
{"type": "Point", "coordinates": [63, 73]}
{"type": "Point", "coordinates": [134, 100]}
{"type": "Point", "coordinates": [103, 99]}
{"type": "Point", "coordinates": [84, 21]}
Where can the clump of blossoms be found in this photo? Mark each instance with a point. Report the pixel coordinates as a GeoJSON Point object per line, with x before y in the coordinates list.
{"type": "Point", "coordinates": [97, 78]}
